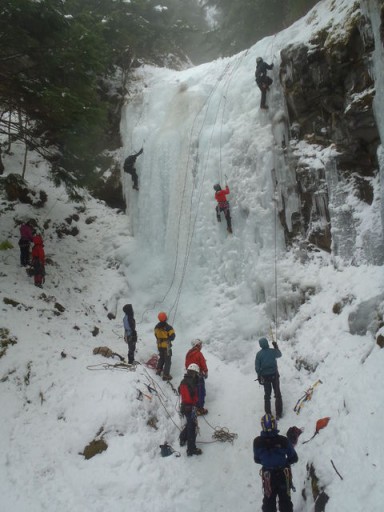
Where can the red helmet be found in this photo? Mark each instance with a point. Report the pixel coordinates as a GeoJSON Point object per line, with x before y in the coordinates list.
{"type": "Point", "coordinates": [162, 316]}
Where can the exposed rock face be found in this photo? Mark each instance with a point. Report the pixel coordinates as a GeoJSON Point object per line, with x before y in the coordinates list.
{"type": "Point", "coordinates": [329, 94]}
{"type": "Point", "coordinates": [110, 190]}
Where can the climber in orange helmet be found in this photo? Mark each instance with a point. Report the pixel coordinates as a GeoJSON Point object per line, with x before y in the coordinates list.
{"type": "Point", "coordinates": [164, 334]}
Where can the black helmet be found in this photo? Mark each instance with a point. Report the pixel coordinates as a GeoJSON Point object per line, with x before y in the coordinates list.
{"type": "Point", "coordinates": [259, 59]}
{"type": "Point", "coordinates": [216, 187]}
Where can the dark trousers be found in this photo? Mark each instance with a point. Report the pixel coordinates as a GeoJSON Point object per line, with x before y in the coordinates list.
{"type": "Point", "coordinates": [131, 341]}
{"type": "Point", "coordinates": [24, 252]}
{"type": "Point", "coordinates": [164, 362]}
{"type": "Point", "coordinates": [189, 432]}
{"type": "Point", "coordinates": [135, 178]}
{"type": "Point", "coordinates": [227, 215]}
{"type": "Point", "coordinates": [264, 84]}
{"type": "Point", "coordinates": [276, 484]}
{"type": "Point", "coordinates": [269, 382]}
{"type": "Point", "coordinates": [201, 392]}
{"type": "Point", "coordinates": [38, 272]}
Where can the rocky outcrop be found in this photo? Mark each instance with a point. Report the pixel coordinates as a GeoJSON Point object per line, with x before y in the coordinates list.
{"type": "Point", "coordinates": [329, 94]}
{"type": "Point", "coordinates": [110, 190]}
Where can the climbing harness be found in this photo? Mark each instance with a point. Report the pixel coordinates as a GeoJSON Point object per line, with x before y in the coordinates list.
{"type": "Point", "coordinates": [288, 481]}
{"type": "Point", "coordinates": [266, 481]}
{"type": "Point", "coordinates": [306, 397]}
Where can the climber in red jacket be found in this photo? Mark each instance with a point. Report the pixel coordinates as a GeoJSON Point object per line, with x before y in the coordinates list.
{"type": "Point", "coordinates": [38, 260]}
{"type": "Point", "coordinates": [223, 205]}
{"type": "Point", "coordinates": [195, 356]}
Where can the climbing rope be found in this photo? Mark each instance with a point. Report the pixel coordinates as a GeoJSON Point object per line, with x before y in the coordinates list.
{"type": "Point", "coordinates": [221, 434]}
{"type": "Point", "coordinates": [117, 366]}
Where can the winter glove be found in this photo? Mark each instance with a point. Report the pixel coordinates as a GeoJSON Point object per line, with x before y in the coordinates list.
{"type": "Point", "coordinates": [272, 65]}
{"type": "Point", "coordinates": [261, 379]}
{"type": "Point", "coordinates": [275, 345]}
{"type": "Point", "coordinates": [205, 375]}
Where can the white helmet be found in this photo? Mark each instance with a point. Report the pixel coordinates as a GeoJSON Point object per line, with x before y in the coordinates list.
{"type": "Point", "coordinates": [196, 342]}
{"type": "Point", "coordinates": [194, 368]}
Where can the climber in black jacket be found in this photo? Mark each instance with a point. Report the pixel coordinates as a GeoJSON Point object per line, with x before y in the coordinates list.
{"type": "Point", "coordinates": [129, 168]}
{"type": "Point", "coordinates": [263, 80]}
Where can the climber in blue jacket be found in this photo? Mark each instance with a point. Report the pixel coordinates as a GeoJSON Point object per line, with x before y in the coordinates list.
{"type": "Point", "coordinates": [275, 453]}
{"type": "Point", "coordinates": [268, 375]}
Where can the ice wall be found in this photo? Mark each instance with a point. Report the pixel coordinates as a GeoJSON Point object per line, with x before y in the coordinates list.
{"type": "Point", "coordinates": [374, 10]}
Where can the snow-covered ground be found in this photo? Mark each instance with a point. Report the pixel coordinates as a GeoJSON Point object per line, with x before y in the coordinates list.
{"type": "Point", "coordinates": [197, 127]}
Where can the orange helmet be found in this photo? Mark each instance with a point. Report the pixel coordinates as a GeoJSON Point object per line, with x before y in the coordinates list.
{"type": "Point", "coordinates": [162, 316]}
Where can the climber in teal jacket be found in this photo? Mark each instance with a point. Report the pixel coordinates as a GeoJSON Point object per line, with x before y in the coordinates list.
{"type": "Point", "coordinates": [268, 375]}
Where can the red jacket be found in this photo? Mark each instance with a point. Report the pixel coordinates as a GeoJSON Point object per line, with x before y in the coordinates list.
{"type": "Point", "coordinates": [220, 195]}
{"type": "Point", "coordinates": [38, 249]}
{"type": "Point", "coordinates": [188, 390]}
{"type": "Point", "coordinates": [195, 356]}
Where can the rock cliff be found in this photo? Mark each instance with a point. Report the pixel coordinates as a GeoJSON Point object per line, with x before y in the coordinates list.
{"type": "Point", "coordinates": [329, 92]}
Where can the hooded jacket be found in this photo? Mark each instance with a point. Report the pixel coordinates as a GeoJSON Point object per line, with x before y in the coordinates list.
{"type": "Point", "coordinates": [273, 451]}
{"type": "Point", "coordinates": [265, 362]}
{"type": "Point", "coordinates": [26, 232]}
{"type": "Point", "coordinates": [188, 389]}
{"type": "Point", "coordinates": [195, 356]}
{"type": "Point", "coordinates": [38, 250]}
{"type": "Point", "coordinates": [129, 321]}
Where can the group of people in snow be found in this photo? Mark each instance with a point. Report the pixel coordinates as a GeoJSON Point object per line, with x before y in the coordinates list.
{"type": "Point", "coordinates": [273, 451]}
{"type": "Point", "coordinates": [192, 387]}
{"type": "Point", "coordinates": [35, 259]}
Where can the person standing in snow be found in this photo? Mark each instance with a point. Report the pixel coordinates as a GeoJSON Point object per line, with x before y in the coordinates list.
{"type": "Point", "coordinates": [263, 80]}
{"type": "Point", "coordinates": [189, 397]}
{"type": "Point", "coordinates": [275, 453]}
{"type": "Point", "coordinates": [164, 334]}
{"type": "Point", "coordinates": [194, 355]}
{"type": "Point", "coordinates": [268, 375]}
{"type": "Point", "coordinates": [26, 237]}
{"type": "Point", "coordinates": [223, 205]}
{"type": "Point", "coordinates": [38, 260]}
{"type": "Point", "coordinates": [130, 334]}
{"type": "Point", "coordinates": [129, 168]}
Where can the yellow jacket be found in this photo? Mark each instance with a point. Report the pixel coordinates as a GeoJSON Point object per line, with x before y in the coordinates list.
{"type": "Point", "coordinates": [164, 335]}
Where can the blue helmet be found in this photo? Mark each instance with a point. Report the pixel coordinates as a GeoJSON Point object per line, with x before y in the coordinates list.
{"type": "Point", "coordinates": [268, 423]}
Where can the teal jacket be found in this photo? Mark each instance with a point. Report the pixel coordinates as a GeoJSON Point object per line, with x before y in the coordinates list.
{"type": "Point", "coordinates": [265, 362]}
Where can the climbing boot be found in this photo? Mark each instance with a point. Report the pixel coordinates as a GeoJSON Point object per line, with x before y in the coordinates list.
{"type": "Point", "coordinates": [196, 451]}
{"type": "Point", "coordinates": [167, 377]}
{"type": "Point", "coordinates": [201, 411]}
{"type": "Point", "coordinates": [158, 372]}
